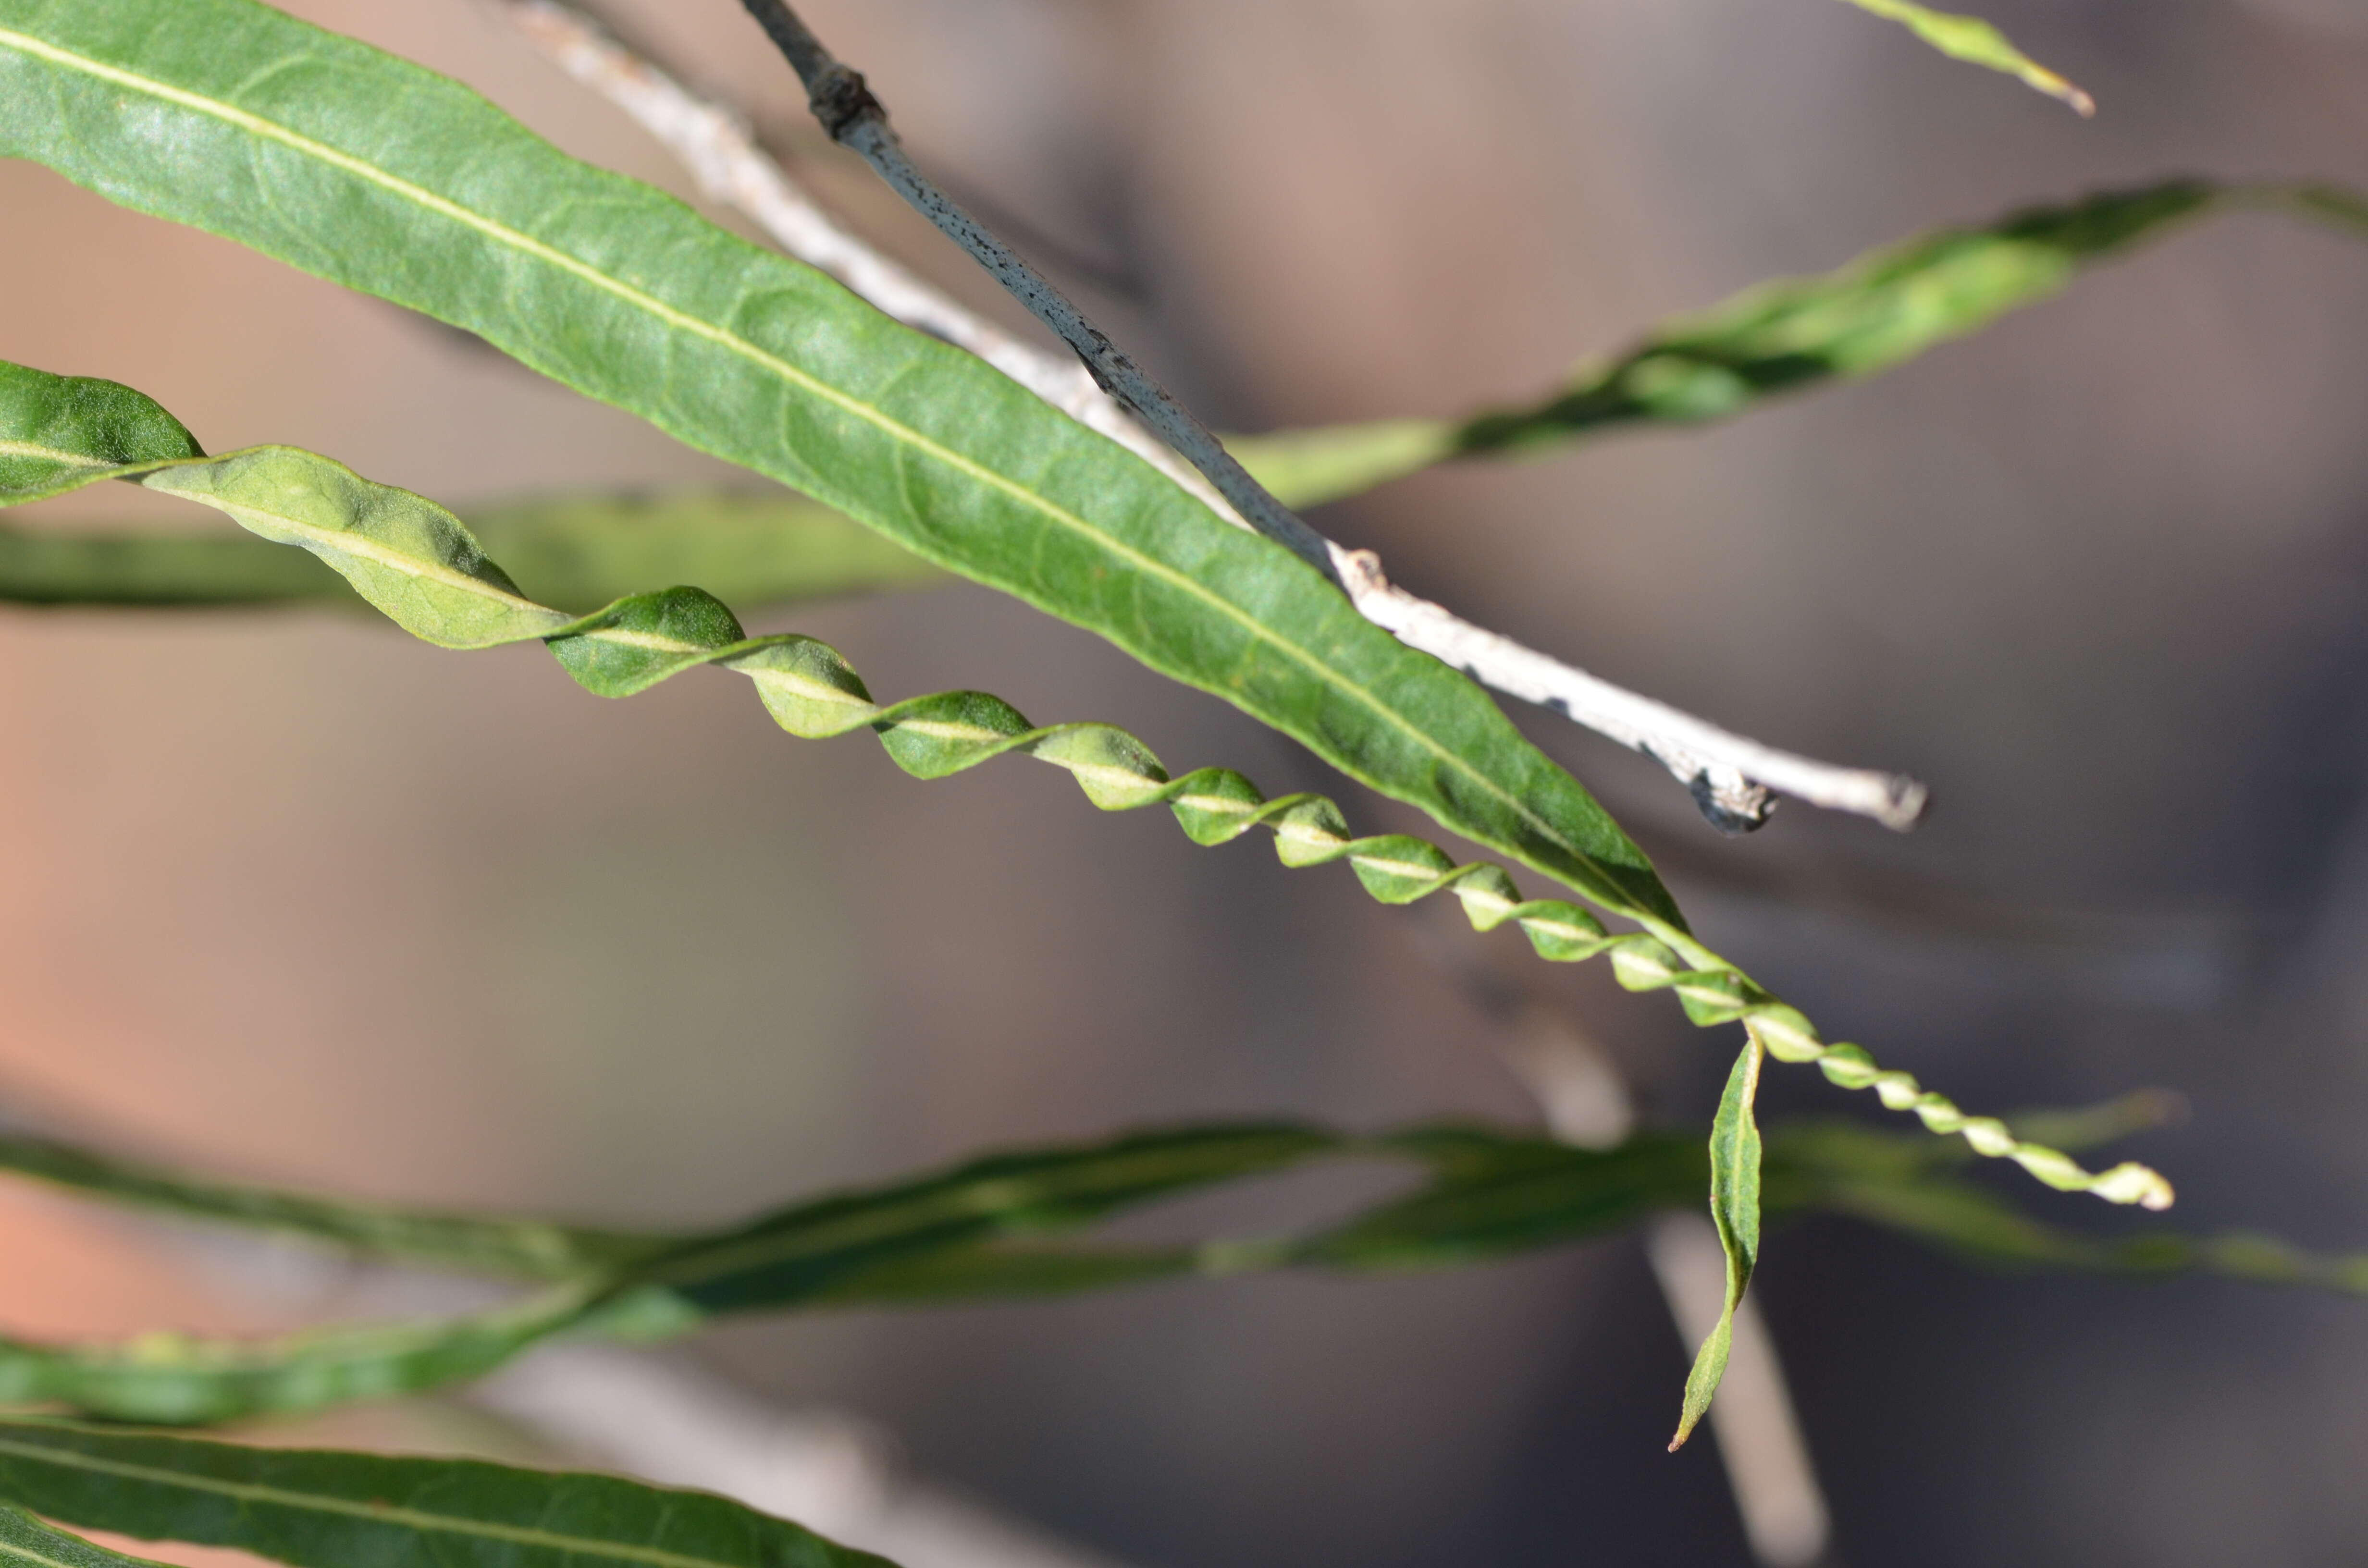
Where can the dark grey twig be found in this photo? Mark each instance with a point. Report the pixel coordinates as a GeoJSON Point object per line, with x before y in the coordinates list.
{"type": "Point", "coordinates": [856, 120]}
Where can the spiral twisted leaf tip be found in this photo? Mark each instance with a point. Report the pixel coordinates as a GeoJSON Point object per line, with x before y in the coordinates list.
{"type": "Point", "coordinates": [417, 563]}
{"type": "Point", "coordinates": [421, 567]}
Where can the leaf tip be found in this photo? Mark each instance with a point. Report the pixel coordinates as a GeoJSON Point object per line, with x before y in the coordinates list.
{"type": "Point", "coordinates": [2055, 86]}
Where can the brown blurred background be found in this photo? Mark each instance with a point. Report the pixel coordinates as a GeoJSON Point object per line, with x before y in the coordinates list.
{"type": "Point", "coordinates": [291, 898]}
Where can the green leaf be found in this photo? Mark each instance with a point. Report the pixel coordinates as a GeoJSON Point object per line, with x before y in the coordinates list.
{"type": "Point", "coordinates": [379, 175]}
{"type": "Point", "coordinates": [819, 1251]}
{"type": "Point", "coordinates": [1006, 1225]}
{"type": "Point", "coordinates": [531, 1249]}
{"type": "Point", "coordinates": [1491, 1194]}
{"type": "Point", "coordinates": [25, 1542]}
{"type": "Point", "coordinates": [64, 431]}
{"type": "Point", "coordinates": [417, 564]}
{"type": "Point", "coordinates": [575, 552]}
{"type": "Point", "coordinates": [387, 179]}
{"type": "Point", "coordinates": [175, 1378]}
{"type": "Point", "coordinates": [1735, 1210]}
{"type": "Point", "coordinates": [1886, 307]}
{"type": "Point", "coordinates": [1893, 1182]}
{"type": "Point", "coordinates": [1977, 42]}
{"type": "Point", "coordinates": [420, 566]}
{"type": "Point", "coordinates": [316, 1509]}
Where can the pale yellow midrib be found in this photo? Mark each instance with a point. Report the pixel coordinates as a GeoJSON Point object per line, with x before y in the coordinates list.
{"type": "Point", "coordinates": [251, 1492]}
{"type": "Point", "coordinates": [896, 430]}
{"type": "Point", "coordinates": [345, 542]}
{"type": "Point", "coordinates": [10, 1549]}
{"type": "Point", "coordinates": [50, 454]}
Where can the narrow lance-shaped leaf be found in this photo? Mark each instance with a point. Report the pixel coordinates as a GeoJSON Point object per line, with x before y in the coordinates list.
{"type": "Point", "coordinates": [1492, 1193]}
{"type": "Point", "coordinates": [816, 1251]}
{"type": "Point", "coordinates": [1005, 1226]}
{"type": "Point", "coordinates": [175, 1378]}
{"type": "Point", "coordinates": [382, 176]}
{"type": "Point", "coordinates": [575, 552]}
{"type": "Point", "coordinates": [1735, 1210]}
{"type": "Point", "coordinates": [1977, 42]}
{"type": "Point", "coordinates": [319, 1509]}
{"type": "Point", "coordinates": [822, 1250]}
{"type": "Point", "coordinates": [1886, 307]}
{"type": "Point", "coordinates": [532, 1249]}
{"type": "Point", "coordinates": [1883, 1179]}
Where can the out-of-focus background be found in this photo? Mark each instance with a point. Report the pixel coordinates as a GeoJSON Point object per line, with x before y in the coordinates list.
{"type": "Point", "coordinates": [291, 898]}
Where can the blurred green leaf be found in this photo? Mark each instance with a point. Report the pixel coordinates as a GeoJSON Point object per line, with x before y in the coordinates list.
{"type": "Point", "coordinates": [1008, 1226]}
{"type": "Point", "coordinates": [175, 1378]}
{"type": "Point", "coordinates": [530, 1249]}
{"type": "Point", "coordinates": [1977, 42]}
{"type": "Point", "coordinates": [574, 552]}
{"type": "Point", "coordinates": [1490, 1192]}
{"type": "Point", "coordinates": [1887, 306]}
{"type": "Point", "coordinates": [824, 1250]}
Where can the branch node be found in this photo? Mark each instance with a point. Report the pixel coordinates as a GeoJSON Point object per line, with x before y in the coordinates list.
{"type": "Point", "coordinates": [841, 101]}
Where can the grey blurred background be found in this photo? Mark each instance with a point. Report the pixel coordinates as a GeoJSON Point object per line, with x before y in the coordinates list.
{"type": "Point", "coordinates": [291, 898]}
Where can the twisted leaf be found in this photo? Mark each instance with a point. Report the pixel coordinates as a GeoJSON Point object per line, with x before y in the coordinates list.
{"type": "Point", "coordinates": [575, 552]}
{"type": "Point", "coordinates": [1735, 1210]}
{"type": "Point", "coordinates": [314, 1510]}
{"type": "Point", "coordinates": [62, 431]}
{"type": "Point", "coordinates": [1887, 306]}
{"type": "Point", "coordinates": [417, 564]}
{"type": "Point", "coordinates": [1977, 42]}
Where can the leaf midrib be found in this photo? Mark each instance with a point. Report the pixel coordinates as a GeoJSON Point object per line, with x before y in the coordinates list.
{"type": "Point", "coordinates": [10, 1549]}
{"type": "Point", "coordinates": [387, 1514]}
{"type": "Point", "coordinates": [50, 454]}
{"type": "Point", "coordinates": [896, 429]}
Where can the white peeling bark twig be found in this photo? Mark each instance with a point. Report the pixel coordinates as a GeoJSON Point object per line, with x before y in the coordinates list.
{"type": "Point", "coordinates": [1734, 779]}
